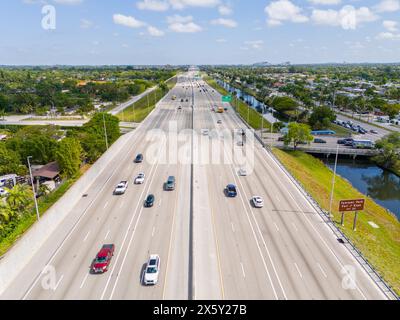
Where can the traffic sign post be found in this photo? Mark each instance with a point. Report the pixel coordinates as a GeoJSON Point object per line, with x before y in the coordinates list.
{"type": "Point", "coordinates": [351, 205]}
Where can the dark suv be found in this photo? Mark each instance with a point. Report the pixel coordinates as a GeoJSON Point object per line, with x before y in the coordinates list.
{"type": "Point", "coordinates": [231, 191]}
{"type": "Point", "coordinates": [170, 185]}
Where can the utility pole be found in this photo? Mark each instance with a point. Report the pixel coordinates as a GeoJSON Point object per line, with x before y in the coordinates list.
{"type": "Point", "coordinates": [272, 134]}
{"type": "Point", "coordinates": [105, 130]}
{"type": "Point", "coordinates": [33, 189]}
{"type": "Point", "coordinates": [333, 183]}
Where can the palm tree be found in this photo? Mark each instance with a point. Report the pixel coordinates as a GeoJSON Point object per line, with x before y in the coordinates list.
{"type": "Point", "coordinates": [19, 198]}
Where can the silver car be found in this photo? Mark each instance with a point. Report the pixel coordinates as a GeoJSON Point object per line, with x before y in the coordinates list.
{"type": "Point", "coordinates": [258, 202]}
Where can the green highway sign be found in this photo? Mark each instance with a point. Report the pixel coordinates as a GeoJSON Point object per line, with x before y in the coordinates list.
{"type": "Point", "coordinates": [226, 98]}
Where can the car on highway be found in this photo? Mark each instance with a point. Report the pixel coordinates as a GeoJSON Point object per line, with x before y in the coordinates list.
{"type": "Point", "coordinates": [231, 191]}
{"type": "Point", "coordinates": [374, 131]}
{"type": "Point", "coordinates": [152, 270]}
{"type": "Point", "coordinates": [240, 143]}
{"type": "Point", "coordinates": [121, 188]}
{"type": "Point", "coordinates": [187, 100]}
{"type": "Point", "coordinates": [170, 184]}
{"type": "Point", "coordinates": [205, 132]}
{"type": "Point", "coordinates": [139, 158]}
{"type": "Point", "coordinates": [103, 259]}
{"type": "Point", "coordinates": [149, 202]}
{"type": "Point", "coordinates": [242, 172]}
{"type": "Point", "coordinates": [140, 178]}
{"type": "Point", "coordinates": [257, 201]}
{"type": "Point", "coordinates": [180, 108]}
{"type": "Point", "coordinates": [219, 121]}
{"type": "Point", "coordinates": [317, 140]}
{"type": "Point", "coordinates": [182, 100]}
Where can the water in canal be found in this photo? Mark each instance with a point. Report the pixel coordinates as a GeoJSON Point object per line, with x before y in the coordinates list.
{"type": "Point", "coordinates": [381, 185]}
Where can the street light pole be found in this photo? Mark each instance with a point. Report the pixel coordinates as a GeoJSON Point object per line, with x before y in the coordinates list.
{"type": "Point", "coordinates": [105, 130]}
{"type": "Point", "coordinates": [333, 182]}
{"type": "Point", "coordinates": [33, 189]}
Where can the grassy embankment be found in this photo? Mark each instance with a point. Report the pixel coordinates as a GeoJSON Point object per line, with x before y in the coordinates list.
{"type": "Point", "coordinates": [380, 246]}
{"type": "Point", "coordinates": [44, 203]}
{"type": "Point", "coordinates": [141, 108]}
{"type": "Point", "coordinates": [255, 118]}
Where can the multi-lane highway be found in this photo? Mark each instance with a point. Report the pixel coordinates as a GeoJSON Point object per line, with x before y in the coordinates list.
{"type": "Point", "coordinates": [211, 246]}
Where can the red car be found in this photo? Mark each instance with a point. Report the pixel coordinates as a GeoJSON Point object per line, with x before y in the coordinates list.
{"type": "Point", "coordinates": [103, 259]}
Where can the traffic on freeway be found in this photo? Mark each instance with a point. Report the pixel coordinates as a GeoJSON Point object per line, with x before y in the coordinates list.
{"type": "Point", "coordinates": [180, 215]}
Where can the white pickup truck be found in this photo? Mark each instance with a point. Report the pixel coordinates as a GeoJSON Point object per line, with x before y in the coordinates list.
{"type": "Point", "coordinates": [121, 188]}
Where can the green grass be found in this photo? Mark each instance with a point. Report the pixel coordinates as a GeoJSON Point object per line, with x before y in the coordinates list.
{"type": "Point", "coordinates": [255, 118]}
{"type": "Point", "coordinates": [142, 108]}
{"type": "Point", "coordinates": [381, 247]}
{"type": "Point", "coordinates": [44, 203]}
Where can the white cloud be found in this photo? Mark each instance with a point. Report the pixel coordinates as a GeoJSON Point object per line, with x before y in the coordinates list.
{"type": "Point", "coordinates": [86, 24]}
{"type": "Point", "coordinates": [182, 4]}
{"type": "Point", "coordinates": [388, 36]}
{"type": "Point", "coordinates": [390, 25]}
{"type": "Point", "coordinates": [348, 17]}
{"type": "Point", "coordinates": [154, 32]}
{"type": "Point", "coordinates": [388, 6]}
{"type": "Point", "coordinates": [229, 23]}
{"type": "Point", "coordinates": [284, 10]}
{"type": "Point", "coordinates": [183, 24]}
{"type": "Point", "coordinates": [257, 44]}
{"type": "Point", "coordinates": [225, 10]}
{"type": "Point", "coordinates": [128, 21]}
{"type": "Point", "coordinates": [221, 40]}
{"type": "Point", "coordinates": [325, 2]}
{"type": "Point", "coordinates": [153, 5]}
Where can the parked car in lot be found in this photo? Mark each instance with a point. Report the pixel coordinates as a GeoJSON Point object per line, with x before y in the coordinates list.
{"type": "Point", "coordinates": [231, 191]}
{"type": "Point", "coordinates": [257, 201]}
{"type": "Point", "coordinates": [140, 178]}
{"type": "Point", "coordinates": [139, 158]}
{"type": "Point", "coordinates": [103, 259]}
{"type": "Point", "coordinates": [149, 202]}
{"type": "Point", "coordinates": [152, 270]}
{"type": "Point", "coordinates": [121, 188]}
{"type": "Point", "coordinates": [319, 141]}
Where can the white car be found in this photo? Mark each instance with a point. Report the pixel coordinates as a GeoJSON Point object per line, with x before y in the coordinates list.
{"type": "Point", "coordinates": [3, 192]}
{"type": "Point", "coordinates": [152, 270]}
{"type": "Point", "coordinates": [242, 172]}
{"type": "Point", "coordinates": [258, 202]}
{"type": "Point", "coordinates": [140, 178]}
{"type": "Point", "coordinates": [204, 132]}
{"type": "Point", "coordinates": [121, 188]}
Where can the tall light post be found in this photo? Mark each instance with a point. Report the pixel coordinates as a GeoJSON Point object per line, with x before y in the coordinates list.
{"type": "Point", "coordinates": [105, 130]}
{"type": "Point", "coordinates": [333, 183]}
{"type": "Point", "coordinates": [33, 189]}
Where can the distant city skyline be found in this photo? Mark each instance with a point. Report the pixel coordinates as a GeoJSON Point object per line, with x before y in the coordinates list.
{"type": "Point", "coordinates": [198, 32]}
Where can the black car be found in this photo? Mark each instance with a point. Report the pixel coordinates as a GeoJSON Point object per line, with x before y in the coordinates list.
{"type": "Point", "coordinates": [149, 202]}
{"type": "Point", "coordinates": [317, 140]}
{"type": "Point", "coordinates": [341, 141]}
{"type": "Point", "coordinates": [139, 158]}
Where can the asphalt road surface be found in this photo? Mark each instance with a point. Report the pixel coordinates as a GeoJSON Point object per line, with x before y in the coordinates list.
{"type": "Point", "coordinates": [282, 251]}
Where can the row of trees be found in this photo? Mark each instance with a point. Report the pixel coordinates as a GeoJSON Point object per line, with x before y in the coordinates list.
{"type": "Point", "coordinates": [38, 91]}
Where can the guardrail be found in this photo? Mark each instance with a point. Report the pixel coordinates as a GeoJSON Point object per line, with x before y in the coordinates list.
{"type": "Point", "coordinates": [342, 151]}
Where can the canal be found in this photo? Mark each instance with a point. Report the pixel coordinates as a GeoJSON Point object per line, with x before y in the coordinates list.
{"type": "Point", "coordinates": [381, 185]}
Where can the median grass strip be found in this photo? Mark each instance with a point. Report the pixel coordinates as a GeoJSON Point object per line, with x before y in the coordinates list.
{"type": "Point", "coordinates": [254, 118]}
{"type": "Point", "coordinates": [139, 110]}
{"type": "Point", "coordinates": [381, 247]}
{"type": "Point", "coordinates": [44, 203]}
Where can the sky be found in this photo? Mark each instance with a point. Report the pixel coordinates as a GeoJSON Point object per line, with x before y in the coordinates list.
{"type": "Point", "coordinates": [196, 32]}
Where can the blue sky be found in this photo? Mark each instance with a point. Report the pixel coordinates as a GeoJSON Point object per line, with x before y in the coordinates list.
{"type": "Point", "coordinates": [199, 31]}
